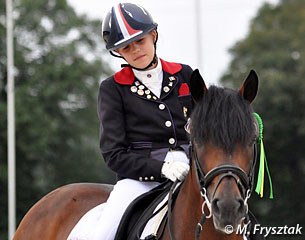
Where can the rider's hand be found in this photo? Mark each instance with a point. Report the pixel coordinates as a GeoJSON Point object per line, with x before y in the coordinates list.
{"type": "Point", "coordinates": [174, 170]}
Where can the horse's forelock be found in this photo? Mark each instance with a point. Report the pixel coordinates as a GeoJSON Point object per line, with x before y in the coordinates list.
{"type": "Point", "coordinates": [222, 118]}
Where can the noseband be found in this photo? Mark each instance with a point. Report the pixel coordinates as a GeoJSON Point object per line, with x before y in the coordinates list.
{"type": "Point", "coordinates": [244, 180]}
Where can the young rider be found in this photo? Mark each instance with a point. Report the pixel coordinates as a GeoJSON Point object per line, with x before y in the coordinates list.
{"type": "Point", "coordinates": [142, 110]}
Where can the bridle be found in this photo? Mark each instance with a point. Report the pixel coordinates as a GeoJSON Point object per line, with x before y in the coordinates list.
{"type": "Point", "coordinates": [244, 181]}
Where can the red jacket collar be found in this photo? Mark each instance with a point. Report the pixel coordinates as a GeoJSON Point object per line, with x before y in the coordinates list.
{"type": "Point", "coordinates": [126, 75]}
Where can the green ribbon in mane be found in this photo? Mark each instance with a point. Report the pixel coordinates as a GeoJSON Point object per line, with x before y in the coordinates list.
{"type": "Point", "coordinates": [262, 162]}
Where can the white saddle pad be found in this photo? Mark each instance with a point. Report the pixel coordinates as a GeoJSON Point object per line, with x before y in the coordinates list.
{"type": "Point", "coordinates": [84, 229]}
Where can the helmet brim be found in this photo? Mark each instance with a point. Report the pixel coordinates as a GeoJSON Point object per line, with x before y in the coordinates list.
{"type": "Point", "coordinates": [132, 38]}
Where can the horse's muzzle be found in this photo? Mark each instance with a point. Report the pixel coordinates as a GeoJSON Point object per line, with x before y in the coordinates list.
{"type": "Point", "coordinates": [228, 212]}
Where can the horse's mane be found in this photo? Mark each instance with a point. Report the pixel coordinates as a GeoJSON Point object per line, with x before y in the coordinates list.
{"type": "Point", "coordinates": [224, 118]}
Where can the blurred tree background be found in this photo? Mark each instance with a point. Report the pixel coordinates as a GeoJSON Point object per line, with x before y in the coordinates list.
{"type": "Point", "coordinates": [59, 61]}
{"type": "Point", "coordinates": [59, 64]}
{"type": "Point", "coordinates": [275, 47]}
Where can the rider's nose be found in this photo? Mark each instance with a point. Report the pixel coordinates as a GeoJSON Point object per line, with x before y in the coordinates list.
{"type": "Point", "coordinates": [135, 47]}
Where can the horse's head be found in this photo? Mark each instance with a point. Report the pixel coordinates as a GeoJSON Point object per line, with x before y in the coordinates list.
{"type": "Point", "coordinates": [223, 134]}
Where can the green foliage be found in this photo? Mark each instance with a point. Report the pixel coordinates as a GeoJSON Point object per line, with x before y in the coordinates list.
{"type": "Point", "coordinates": [58, 59]}
{"type": "Point", "coordinates": [275, 48]}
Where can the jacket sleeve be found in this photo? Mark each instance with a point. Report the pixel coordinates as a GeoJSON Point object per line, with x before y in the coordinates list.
{"type": "Point", "coordinates": [114, 145]}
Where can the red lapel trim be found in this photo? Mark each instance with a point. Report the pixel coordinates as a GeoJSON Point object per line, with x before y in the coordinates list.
{"type": "Point", "coordinates": [126, 75]}
{"type": "Point", "coordinates": [170, 67]}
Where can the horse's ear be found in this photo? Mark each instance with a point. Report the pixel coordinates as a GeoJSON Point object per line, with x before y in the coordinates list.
{"type": "Point", "coordinates": [249, 87]}
{"type": "Point", "coordinates": [197, 85]}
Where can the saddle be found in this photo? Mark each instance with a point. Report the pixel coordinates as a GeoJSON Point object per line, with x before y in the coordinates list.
{"type": "Point", "coordinates": [140, 211]}
{"type": "Point", "coordinates": [143, 208]}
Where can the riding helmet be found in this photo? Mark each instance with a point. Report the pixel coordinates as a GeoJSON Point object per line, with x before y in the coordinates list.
{"type": "Point", "coordinates": [124, 24]}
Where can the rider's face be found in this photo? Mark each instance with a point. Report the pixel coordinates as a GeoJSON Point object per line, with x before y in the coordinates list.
{"type": "Point", "coordinates": [140, 52]}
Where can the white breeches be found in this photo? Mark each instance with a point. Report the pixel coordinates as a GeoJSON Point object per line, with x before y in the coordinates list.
{"type": "Point", "coordinates": [102, 221]}
{"type": "Point", "coordinates": [124, 192]}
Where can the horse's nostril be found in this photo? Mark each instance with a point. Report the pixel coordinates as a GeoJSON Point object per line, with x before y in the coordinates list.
{"type": "Point", "coordinates": [215, 205]}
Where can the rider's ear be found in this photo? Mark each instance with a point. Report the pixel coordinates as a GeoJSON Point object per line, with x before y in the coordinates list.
{"type": "Point", "coordinates": [249, 87]}
{"type": "Point", "coordinates": [197, 86]}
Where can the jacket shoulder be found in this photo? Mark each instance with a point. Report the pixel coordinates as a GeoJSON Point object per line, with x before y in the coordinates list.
{"type": "Point", "coordinates": [186, 68]}
{"type": "Point", "coordinates": [108, 85]}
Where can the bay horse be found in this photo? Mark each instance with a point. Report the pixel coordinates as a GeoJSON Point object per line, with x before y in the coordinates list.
{"type": "Point", "coordinates": [212, 201]}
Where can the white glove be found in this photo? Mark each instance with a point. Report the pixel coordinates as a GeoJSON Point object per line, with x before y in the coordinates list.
{"type": "Point", "coordinates": [174, 170]}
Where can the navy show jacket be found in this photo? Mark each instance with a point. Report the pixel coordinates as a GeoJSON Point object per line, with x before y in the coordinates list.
{"type": "Point", "coordinates": [134, 122]}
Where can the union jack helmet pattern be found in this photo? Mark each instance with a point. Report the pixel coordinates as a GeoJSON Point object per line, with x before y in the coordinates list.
{"type": "Point", "coordinates": [124, 24]}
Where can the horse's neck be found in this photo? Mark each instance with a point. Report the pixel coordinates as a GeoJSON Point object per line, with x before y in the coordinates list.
{"type": "Point", "coordinates": [187, 210]}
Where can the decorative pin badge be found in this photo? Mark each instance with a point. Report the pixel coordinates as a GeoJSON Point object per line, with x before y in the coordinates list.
{"type": "Point", "coordinates": [185, 111]}
{"type": "Point", "coordinates": [140, 92]}
{"type": "Point", "coordinates": [166, 89]}
{"type": "Point", "coordinates": [134, 89]}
